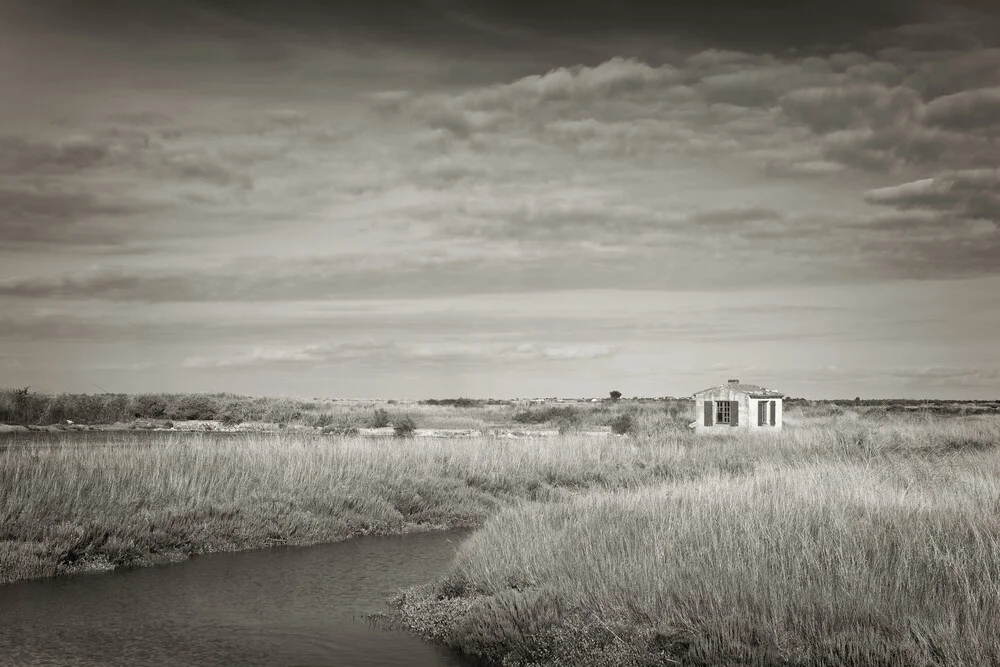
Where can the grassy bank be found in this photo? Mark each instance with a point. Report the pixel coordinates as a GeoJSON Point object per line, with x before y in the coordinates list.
{"type": "Point", "coordinates": [126, 498]}
{"type": "Point", "coordinates": [842, 543]}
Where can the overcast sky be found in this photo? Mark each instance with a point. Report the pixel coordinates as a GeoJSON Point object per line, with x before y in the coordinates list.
{"type": "Point", "coordinates": [445, 198]}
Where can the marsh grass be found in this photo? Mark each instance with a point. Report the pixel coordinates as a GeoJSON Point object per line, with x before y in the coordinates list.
{"type": "Point", "coordinates": [840, 543]}
{"type": "Point", "coordinates": [854, 538]}
{"type": "Point", "coordinates": [124, 498]}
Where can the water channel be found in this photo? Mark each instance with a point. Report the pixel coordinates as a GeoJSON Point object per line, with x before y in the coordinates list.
{"type": "Point", "coordinates": [284, 606]}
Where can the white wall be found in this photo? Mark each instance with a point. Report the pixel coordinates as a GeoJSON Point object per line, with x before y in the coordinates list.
{"type": "Point", "coordinates": [747, 407]}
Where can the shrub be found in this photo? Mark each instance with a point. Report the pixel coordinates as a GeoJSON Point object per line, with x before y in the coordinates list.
{"type": "Point", "coordinates": [321, 420]}
{"type": "Point", "coordinates": [454, 402]}
{"type": "Point", "coordinates": [193, 406]}
{"type": "Point", "coordinates": [404, 426]}
{"type": "Point", "coordinates": [380, 418]}
{"type": "Point", "coordinates": [342, 424]}
{"type": "Point", "coordinates": [230, 420]}
{"type": "Point", "coordinates": [545, 415]}
{"type": "Point", "coordinates": [567, 425]}
{"type": "Point", "coordinates": [282, 412]}
{"type": "Point", "coordinates": [148, 406]}
{"type": "Point", "coordinates": [622, 424]}
{"type": "Point", "coordinates": [615, 395]}
{"type": "Point", "coordinates": [339, 428]}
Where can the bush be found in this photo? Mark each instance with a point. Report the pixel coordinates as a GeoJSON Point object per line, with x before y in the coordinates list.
{"type": "Point", "coordinates": [545, 415]}
{"type": "Point", "coordinates": [321, 420]}
{"type": "Point", "coordinates": [193, 406]}
{"type": "Point", "coordinates": [230, 420]}
{"type": "Point", "coordinates": [622, 424]}
{"type": "Point", "coordinates": [380, 418]}
{"type": "Point", "coordinates": [404, 426]}
{"type": "Point", "coordinates": [282, 412]}
{"type": "Point", "coordinates": [454, 402]}
{"type": "Point", "coordinates": [340, 428]}
{"type": "Point", "coordinates": [567, 425]}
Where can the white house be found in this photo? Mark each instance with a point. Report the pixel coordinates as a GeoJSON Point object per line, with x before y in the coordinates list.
{"type": "Point", "coordinates": [736, 405]}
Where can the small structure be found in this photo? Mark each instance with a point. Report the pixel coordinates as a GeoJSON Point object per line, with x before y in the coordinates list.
{"type": "Point", "coordinates": [736, 405]}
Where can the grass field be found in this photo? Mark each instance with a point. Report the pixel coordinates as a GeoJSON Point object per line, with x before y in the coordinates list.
{"type": "Point", "coordinates": [842, 542]}
{"type": "Point", "coordinates": [855, 536]}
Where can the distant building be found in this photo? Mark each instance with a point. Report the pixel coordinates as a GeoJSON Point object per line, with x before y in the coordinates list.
{"type": "Point", "coordinates": [736, 405]}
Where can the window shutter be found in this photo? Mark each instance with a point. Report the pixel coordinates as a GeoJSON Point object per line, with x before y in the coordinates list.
{"type": "Point", "coordinates": [761, 413]}
{"type": "Point", "coordinates": [774, 409]}
{"type": "Point", "coordinates": [708, 413]}
{"type": "Point", "coordinates": [734, 412]}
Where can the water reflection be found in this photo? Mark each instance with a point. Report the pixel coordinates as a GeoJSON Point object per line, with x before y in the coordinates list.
{"type": "Point", "coordinates": [283, 606]}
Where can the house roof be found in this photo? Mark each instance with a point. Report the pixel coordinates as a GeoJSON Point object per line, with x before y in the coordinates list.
{"type": "Point", "coordinates": [755, 390]}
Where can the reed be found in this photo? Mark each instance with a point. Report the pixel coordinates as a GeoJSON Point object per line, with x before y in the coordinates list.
{"type": "Point", "coordinates": [846, 544]}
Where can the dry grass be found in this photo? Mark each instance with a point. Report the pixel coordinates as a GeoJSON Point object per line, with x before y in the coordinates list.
{"type": "Point", "coordinates": [837, 544]}
{"type": "Point", "coordinates": [39, 409]}
{"type": "Point", "coordinates": [124, 498]}
{"type": "Point", "coordinates": [850, 539]}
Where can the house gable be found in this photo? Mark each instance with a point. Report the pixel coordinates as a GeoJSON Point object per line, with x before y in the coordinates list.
{"type": "Point", "coordinates": [737, 405]}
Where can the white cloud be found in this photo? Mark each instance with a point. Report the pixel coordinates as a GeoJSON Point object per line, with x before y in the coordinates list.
{"type": "Point", "coordinates": [322, 354]}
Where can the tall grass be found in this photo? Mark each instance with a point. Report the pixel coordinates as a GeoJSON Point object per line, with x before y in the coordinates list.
{"type": "Point", "coordinates": [874, 544]}
{"type": "Point", "coordinates": [67, 505]}
{"type": "Point", "coordinates": [840, 540]}
{"type": "Point", "coordinates": [24, 407]}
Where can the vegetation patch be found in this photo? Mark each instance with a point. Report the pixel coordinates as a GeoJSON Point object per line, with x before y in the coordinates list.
{"type": "Point", "coordinates": [546, 415]}
{"type": "Point", "coordinates": [860, 536]}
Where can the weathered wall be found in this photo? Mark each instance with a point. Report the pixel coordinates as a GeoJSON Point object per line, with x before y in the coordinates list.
{"type": "Point", "coordinates": [747, 407]}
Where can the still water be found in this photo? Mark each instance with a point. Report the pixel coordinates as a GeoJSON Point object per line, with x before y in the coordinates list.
{"type": "Point", "coordinates": [283, 606]}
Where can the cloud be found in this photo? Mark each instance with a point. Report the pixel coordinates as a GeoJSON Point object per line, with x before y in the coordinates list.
{"type": "Point", "coordinates": [906, 376]}
{"type": "Point", "coordinates": [329, 353]}
{"type": "Point", "coordinates": [60, 217]}
{"type": "Point", "coordinates": [144, 118]}
{"type": "Point", "coordinates": [135, 367]}
{"type": "Point", "coordinates": [955, 72]}
{"type": "Point", "coordinates": [19, 156]}
{"type": "Point", "coordinates": [262, 356]}
{"type": "Point", "coordinates": [969, 194]}
{"type": "Point", "coordinates": [830, 108]}
{"type": "Point", "coordinates": [802, 168]}
{"type": "Point", "coordinates": [857, 111]}
{"type": "Point", "coordinates": [972, 110]}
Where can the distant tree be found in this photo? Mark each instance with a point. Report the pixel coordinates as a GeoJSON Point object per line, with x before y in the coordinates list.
{"type": "Point", "coordinates": [857, 400]}
{"type": "Point", "coordinates": [615, 395]}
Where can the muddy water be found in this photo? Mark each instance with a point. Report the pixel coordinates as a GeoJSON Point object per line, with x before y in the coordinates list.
{"type": "Point", "coordinates": [282, 606]}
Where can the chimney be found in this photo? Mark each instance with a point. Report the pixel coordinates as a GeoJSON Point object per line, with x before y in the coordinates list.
{"type": "Point", "coordinates": [734, 382]}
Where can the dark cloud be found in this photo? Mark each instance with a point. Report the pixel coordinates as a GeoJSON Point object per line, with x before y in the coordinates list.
{"type": "Point", "coordinates": [735, 216]}
{"type": "Point", "coordinates": [969, 194]}
{"type": "Point", "coordinates": [546, 26]}
{"type": "Point", "coordinates": [838, 107]}
{"type": "Point", "coordinates": [141, 118]}
{"type": "Point", "coordinates": [889, 148]}
{"type": "Point", "coordinates": [786, 168]}
{"type": "Point", "coordinates": [57, 217]}
{"type": "Point", "coordinates": [132, 153]}
{"type": "Point", "coordinates": [970, 110]}
{"type": "Point", "coordinates": [956, 72]}
{"type": "Point", "coordinates": [19, 155]}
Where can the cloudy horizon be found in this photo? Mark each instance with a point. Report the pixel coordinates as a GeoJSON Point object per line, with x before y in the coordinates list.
{"type": "Point", "coordinates": [446, 198]}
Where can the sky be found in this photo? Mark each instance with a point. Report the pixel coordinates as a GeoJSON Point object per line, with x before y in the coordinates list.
{"type": "Point", "coordinates": [486, 198]}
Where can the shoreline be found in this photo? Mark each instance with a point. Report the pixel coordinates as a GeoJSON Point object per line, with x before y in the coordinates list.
{"type": "Point", "coordinates": [102, 565]}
